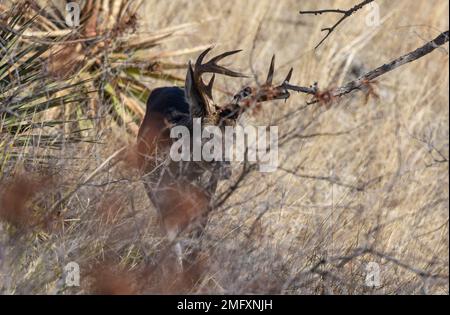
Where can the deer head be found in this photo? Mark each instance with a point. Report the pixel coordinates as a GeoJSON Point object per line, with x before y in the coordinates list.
{"type": "Point", "coordinates": [199, 95]}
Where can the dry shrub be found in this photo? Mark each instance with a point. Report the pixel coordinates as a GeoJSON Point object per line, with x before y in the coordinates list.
{"type": "Point", "coordinates": [17, 195]}
{"type": "Point", "coordinates": [111, 208]}
{"type": "Point", "coordinates": [107, 279]}
{"type": "Point", "coordinates": [111, 278]}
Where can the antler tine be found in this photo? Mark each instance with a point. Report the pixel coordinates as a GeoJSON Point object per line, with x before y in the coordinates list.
{"type": "Point", "coordinates": [208, 88]}
{"type": "Point", "coordinates": [225, 54]}
{"type": "Point", "coordinates": [271, 71]}
{"type": "Point", "coordinates": [201, 56]}
{"type": "Point", "coordinates": [267, 91]}
{"type": "Point", "coordinates": [212, 67]}
{"type": "Point", "coordinates": [288, 77]}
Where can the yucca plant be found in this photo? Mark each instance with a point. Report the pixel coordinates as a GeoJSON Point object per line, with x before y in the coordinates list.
{"type": "Point", "coordinates": [28, 91]}
{"type": "Point", "coordinates": [71, 78]}
{"type": "Point", "coordinates": [106, 50]}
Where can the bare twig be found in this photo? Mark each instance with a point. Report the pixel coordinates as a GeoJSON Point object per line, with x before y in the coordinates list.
{"type": "Point", "coordinates": [432, 148]}
{"type": "Point", "coordinates": [367, 78]}
{"type": "Point", "coordinates": [71, 192]}
{"type": "Point", "coordinates": [335, 180]}
{"type": "Point", "coordinates": [345, 14]}
{"type": "Point", "coordinates": [400, 61]}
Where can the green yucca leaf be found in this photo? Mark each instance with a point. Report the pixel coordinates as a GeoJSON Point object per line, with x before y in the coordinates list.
{"type": "Point", "coordinates": [27, 91]}
{"type": "Point", "coordinates": [121, 68]}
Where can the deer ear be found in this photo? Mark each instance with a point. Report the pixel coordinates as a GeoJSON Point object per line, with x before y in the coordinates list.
{"type": "Point", "coordinates": [197, 106]}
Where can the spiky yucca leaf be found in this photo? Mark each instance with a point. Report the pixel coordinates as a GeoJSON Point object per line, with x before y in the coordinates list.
{"type": "Point", "coordinates": [27, 90]}
{"type": "Point", "coordinates": [107, 49]}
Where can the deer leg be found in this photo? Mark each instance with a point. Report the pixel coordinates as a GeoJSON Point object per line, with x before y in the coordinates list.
{"type": "Point", "coordinates": [177, 247]}
{"type": "Point", "coordinates": [179, 254]}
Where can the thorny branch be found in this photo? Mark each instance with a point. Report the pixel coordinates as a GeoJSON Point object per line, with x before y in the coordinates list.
{"type": "Point", "coordinates": [345, 15]}
{"type": "Point", "coordinates": [368, 77]}
{"type": "Point", "coordinates": [407, 58]}
{"type": "Point", "coordinates": [248, 96]}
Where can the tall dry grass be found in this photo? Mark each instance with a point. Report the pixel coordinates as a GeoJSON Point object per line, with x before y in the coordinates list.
{"type": "Point", "coordinates": [364, 181]}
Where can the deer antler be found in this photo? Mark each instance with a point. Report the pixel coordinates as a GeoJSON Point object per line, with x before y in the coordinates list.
{"type": "Point", "coordinates": [266, 91]}
{"type": "Point", "coordinates": [212, 67]}
{"type": "Point", "coordinates": [249, 96]}
{"type": "Point", "coordinates": [196, 89]}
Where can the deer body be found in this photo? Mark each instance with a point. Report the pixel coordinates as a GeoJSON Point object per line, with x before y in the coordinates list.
{"type": "Point", "coordinates": [182, 191]}
{"type": "Point", "coordinates": [173, 187]}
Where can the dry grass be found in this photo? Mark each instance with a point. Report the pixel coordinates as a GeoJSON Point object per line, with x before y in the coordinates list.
{"type": "Point", "coordinates": [370, 182]}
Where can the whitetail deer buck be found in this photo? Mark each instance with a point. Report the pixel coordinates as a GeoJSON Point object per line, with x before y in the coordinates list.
{"type": "Point", "coordinates": [182, 191]}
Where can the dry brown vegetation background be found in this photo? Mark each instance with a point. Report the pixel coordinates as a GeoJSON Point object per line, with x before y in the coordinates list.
{"type": "Point", "coordinates": [360, 181]}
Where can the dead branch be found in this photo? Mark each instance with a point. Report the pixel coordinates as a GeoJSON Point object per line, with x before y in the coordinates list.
{"type": "Point", "coordinates": [345, 15]}
{"type": "Point", "coordinates": [253, 96]}
{"type": "Point", "coordinates": [409, 57]}
{"type": "Point", "coordinates": [368, 77]}
{"type": "Point", "coordinates": [334, 180]}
